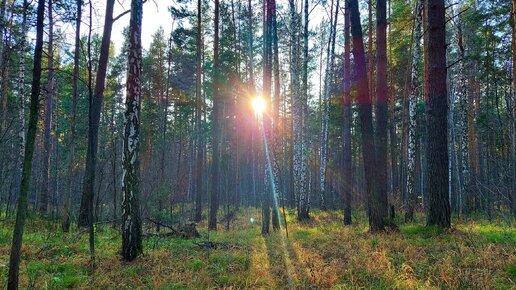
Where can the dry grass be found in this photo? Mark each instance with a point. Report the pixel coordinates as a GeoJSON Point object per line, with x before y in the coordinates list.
{"type": "Point", "coordinates": [321, 253]}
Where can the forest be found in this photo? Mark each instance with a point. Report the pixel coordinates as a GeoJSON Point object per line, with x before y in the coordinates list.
{"type": "Point", "coordinates": [258, 144]}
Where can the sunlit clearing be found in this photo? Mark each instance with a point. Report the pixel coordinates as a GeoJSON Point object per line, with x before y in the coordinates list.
{"type": "Point", "coordinates": [258, 105]}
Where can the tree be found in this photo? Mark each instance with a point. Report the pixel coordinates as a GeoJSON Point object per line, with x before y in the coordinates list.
{"type": "Point", "coordinates": [437, 110]}
{"type": "Point", "coordinates": [21, 105]}
{"type": "Point", "coordinates": [131, 220]}
{"type": "Point", "coordinates": [21, 214]}
{"type": "Point", "coordinates": [43, 200]}
{"type": "Point", "coordinates": [410, 199]}
{"type": "Point", "coordinates": [71, 144]}
{"type": "Point", "coordinates": [95, 107]}
{"type": "Point", "coordinates": [299, 98]}
{"type": "Point", "coordinates": [381, 107]}
{"type": "Point", "coordinates": [513, 137]}
{"type": "Point", "coordinates": [325, 118]}
{"type": "Point", "coordinates": [376, 221]}
{"type": "Point", "coordinates": [214, 195]}
{"type": "Point", "coordinates": [347, 165]}
{"type": "Point", "coordinates": [198, 114]}
{"type": "Point", "coordinates": [266, 121]}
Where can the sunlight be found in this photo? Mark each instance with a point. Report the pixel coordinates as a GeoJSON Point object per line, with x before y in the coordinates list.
{"type": "Point", "coordinates": [258, 105]}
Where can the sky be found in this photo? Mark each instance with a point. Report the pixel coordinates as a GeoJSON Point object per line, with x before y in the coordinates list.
{"type": "Point", "coordinates": [156, 14]}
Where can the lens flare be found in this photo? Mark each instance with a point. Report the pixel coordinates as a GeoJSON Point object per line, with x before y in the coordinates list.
{"type": "Point", "coordinates": [258, 105]}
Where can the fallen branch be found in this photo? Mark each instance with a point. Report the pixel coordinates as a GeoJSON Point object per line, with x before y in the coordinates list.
{"type": "Point", "coordinates": [163, 225]}
{"type": "Point", "coordinates": [187, 231]}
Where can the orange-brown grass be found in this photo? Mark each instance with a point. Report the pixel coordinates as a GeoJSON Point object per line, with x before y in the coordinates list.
{"type": "Point", "coordinates": [320, 253]}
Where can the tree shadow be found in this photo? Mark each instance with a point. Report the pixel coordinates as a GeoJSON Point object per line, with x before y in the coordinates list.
{"type": "Point", "coordinates": [285, 265]}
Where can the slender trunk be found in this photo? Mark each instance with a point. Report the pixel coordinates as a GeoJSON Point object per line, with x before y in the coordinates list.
{"type": "Point", "coordinates": [392, 124]}
{"type": "Point", "coordinates": [89, 202]}
{"type": "Point", "coordinates": [463, 104]}
{"type": "Point", "coordinates": [131, 220]}
{"type": "Point", "coordinates": [217, 103]}
{"type": "Point", "coordinates": [298, 111]}
{"type": "Point", "coordinates": [328, 84]}
{"type": "Point", "coordinates": [513, 133]}
{"type": "Point", "coordinates": [71, 145]}
{"type": "Point", "coordinates": [3, 46]}
{"type": "Point", "coordinates": [276, 142]}
{"type": "Point", "coordinates": [43, 199]}
{"type": "Point", "coordinates": [95, 107]}
{"type": "Point", "coordinates": [265, 120]}
{"type": "Point", "coordinates": [347, 165]}
{"type": "Point", "coordinates": [14, 259]}
{"type": "Point", "coordinates": [410, 201]}
{"type": "Point", "coordinates": [198, 100]}
{"type": "Point", "coordinates": [21, 105]}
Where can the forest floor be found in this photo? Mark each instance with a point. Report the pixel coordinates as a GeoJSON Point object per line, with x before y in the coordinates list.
{"type": "Point", "coordinates": [318, 254]}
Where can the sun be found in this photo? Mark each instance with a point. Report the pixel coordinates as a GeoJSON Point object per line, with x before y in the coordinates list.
{"type": "Point", "coordinates": [259, 105]}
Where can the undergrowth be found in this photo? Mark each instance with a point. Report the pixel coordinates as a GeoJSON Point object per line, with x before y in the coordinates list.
{"type": "Point", "coordinates": [321, 253]}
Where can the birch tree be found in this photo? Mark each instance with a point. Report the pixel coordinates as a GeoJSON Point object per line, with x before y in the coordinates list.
{"type": "Point", "coordinates": [463, 123]}
{"type": "Point", "coordinates": [131, 220]}
{"type": "Point", "coordinates": [298, 110]}
{"type": "Point", "coordinates": [410, 200]}
{"type": "Point", "coordinates": [328, 80]}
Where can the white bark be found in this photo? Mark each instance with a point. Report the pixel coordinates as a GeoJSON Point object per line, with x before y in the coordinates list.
{"type": "Point", "coordinates": [131, 225]}
{"type": "Point", "coordinates": [414, 93]}
{"type": "Point", "coordinates": [330, 59]}
{"type": "Point", "coordinates": [463, 123]}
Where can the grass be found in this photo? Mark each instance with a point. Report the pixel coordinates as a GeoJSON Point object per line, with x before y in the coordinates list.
{"type": "Point", "coordinates": [321, 253]}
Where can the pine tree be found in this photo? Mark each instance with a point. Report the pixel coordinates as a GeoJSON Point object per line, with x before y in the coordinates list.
{"type": "Point", "coordinates": [21, 214]}
{"type": "Point", "coordinates": [438, 204]}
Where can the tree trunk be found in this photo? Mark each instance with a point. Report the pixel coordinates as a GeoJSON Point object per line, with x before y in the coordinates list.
{"type": "Point", "coordinates": [347, 172]}
{"type": "Point", "coordinates": [131, 220]}
{"type": "Point", "coordinates": [95, 107]}
{"type": "Point", "coordinates": [463, 127]}
{"type": "Point", "coordinates": [298, 111]}
{"type": "Point", "coordinates": [328, 81]}
{"type": "Point", "coordinates": [376, 222]}
{"type": "Point", "coordinates": [44, 193]}
{"type": "Point", "coordinates": [21, 106]}
{"type": "Point", "coordinates": [392, 123]}
{"type": "Point", "coordinates": [410, 200]}
{"type": "Point", "coordinates": [217, 102]}
{"type": "Point", "coordinates": [71, 145]}
{"type": "Point", "coordinates": [513, 134]}
{"type": "Point", "coordinates": [381, 106]}
{"type": "Point", "coordinates": [437, 110]}
{"type": "Point", "coordinates": [198, 111]}
{"type": "Point", "coordinates": [14, 259]}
